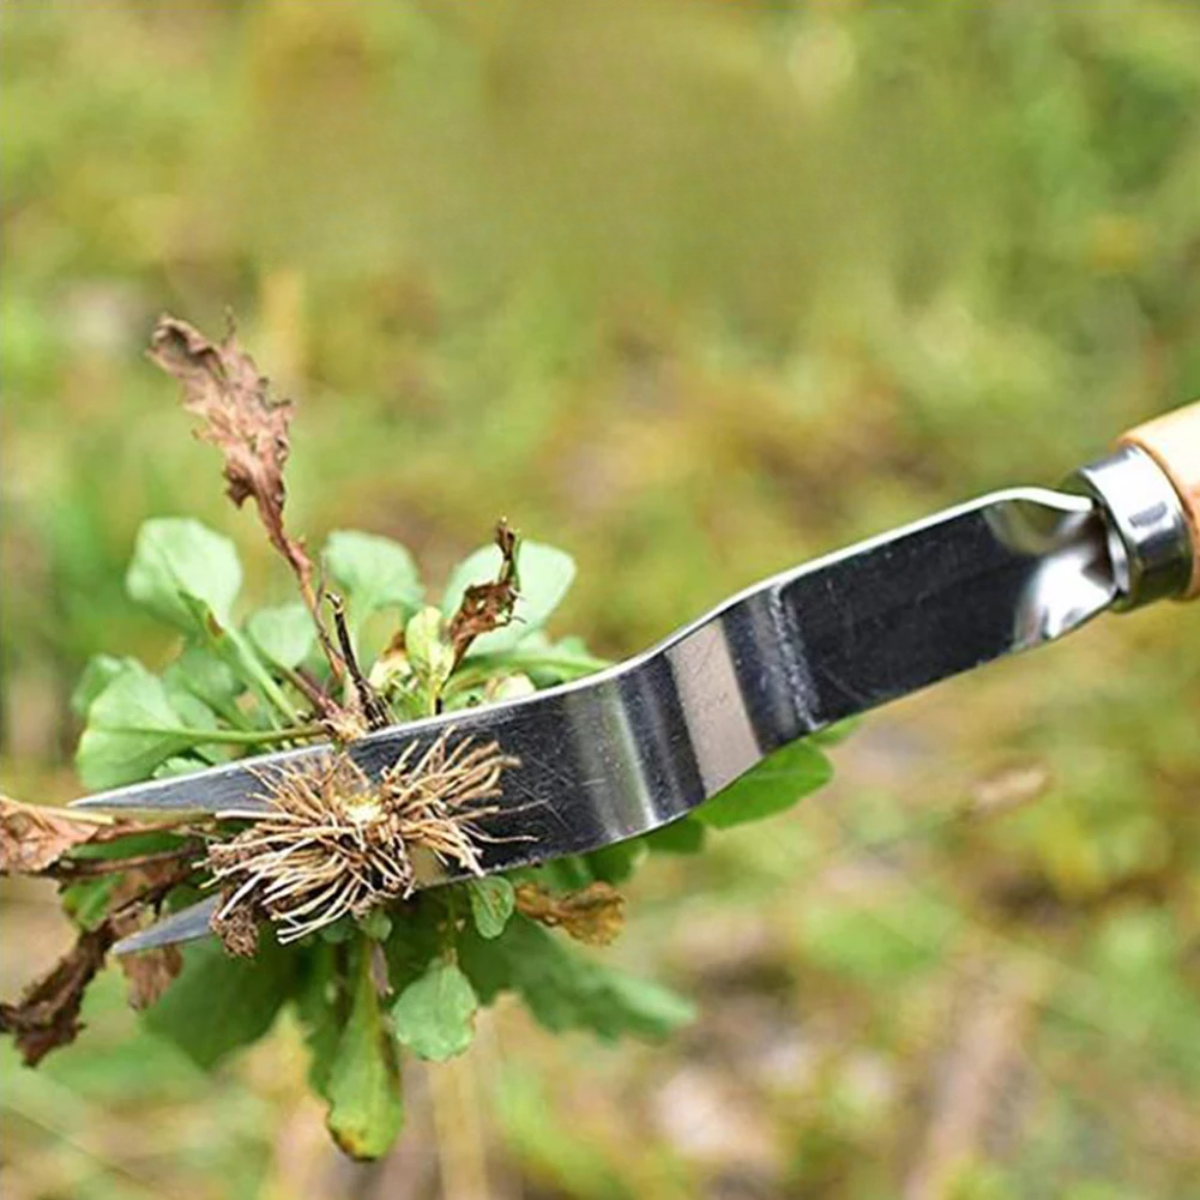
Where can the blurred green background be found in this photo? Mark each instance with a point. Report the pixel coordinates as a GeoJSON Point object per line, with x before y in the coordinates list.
{"type": "Point", "coordinates": [695, 290]}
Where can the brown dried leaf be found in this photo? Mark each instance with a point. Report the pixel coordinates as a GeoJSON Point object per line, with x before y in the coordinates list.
{"type": "Point", "coordinates": [487, 606]}
{"type": "Point", "coordinates": [48, 1013]}
{"type": "Point", "coordinates": [34, 838]}
{"type": "Point", "coordinates": [222, 385]}
{"type": "Point", "coordinates": [594, 914]}
{"type": "Point", "coordinates": [149, 973]}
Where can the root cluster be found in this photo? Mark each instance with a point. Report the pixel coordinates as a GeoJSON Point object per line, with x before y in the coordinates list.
{"type": "Point", "coordinates": [337, 843]}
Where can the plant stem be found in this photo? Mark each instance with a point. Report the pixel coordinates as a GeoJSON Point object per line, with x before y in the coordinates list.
{"type": "Point", "coordinates": [232, 737]}
{"type": "Point", "coordinates": [485, 666]}
{"type": "Point", "coordinates": [261, 677]}
{"type": "Point", "coordinates": [89, 867]}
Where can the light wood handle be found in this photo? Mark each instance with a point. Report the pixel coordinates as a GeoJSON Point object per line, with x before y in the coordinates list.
{"type": "Point", "coordinates": [1173, 441]}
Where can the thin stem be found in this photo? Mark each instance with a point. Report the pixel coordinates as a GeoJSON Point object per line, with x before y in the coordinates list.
{"type": "Point", "coordinates": [88, 867]}
{"type": "Point", "coordinates": [231, 737]}
{"type": "Point", "coordinates": [372, 706]}
{"type": "Point", "coordinates": [261, 677]}
{"type": "Point", "coordinates": [485, 666]}
{"type": "Point", "coordinates": [310, 690]}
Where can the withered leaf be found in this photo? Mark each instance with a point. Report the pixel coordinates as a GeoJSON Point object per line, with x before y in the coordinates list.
{"type": "Point", "coordinates": [33, 838]}
{"type": "Point", "coordinates": [149, 973]}
{"type": "Point", "coordinates": [48, 1013]}
{"type": "Point", "coordinates": [222, 385]}
{"type": "Point", "coordinates": [593, 915]}
{"type": "Point", "coordinates": [487, 606]}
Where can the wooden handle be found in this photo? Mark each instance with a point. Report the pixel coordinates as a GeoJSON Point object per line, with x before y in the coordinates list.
{"type": "Point", "coordinates": [1173, 441]}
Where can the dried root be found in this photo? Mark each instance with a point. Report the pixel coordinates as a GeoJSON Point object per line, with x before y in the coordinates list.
{"type": "Point", "coordinates": [336, 843]}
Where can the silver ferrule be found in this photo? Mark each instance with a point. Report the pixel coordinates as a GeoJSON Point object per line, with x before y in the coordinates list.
{"type": "Point", "coordinates": [1148, 540]}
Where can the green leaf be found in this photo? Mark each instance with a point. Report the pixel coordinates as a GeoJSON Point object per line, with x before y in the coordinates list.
{"type": "Point", "coordinates": [374, 572]}
{"type": "Point", "coordinates": [376, 925]}
{"type": "Point", "coordinates": [191, 711]}
{"type": "Point", "coordinates": [177, 557]}
{"type": "Point", "coordinates": [617, 862]}
{"type": "Point", "coordinates": [492, 903]}
{"type": "Point", "coordinates": [611, 864]}
{"type": "Point", "coordinates": [544, 575]}
{"type": "Point", "coordinates": [429, 654]}
{"type": "Point", "coordinates": [284, 636]}
{"type": "Point", "coordinates": [86, 901]}
{"type": "Point", "coordinates": [775, 784]}
{"type": "Point", "coordinates": [537, 659]}
{"type": "Point", "coordinates": [317, 1000]}
{"type": "Point", "coordinates": [680, 837]}
{"type": "Point", "coordinates": [132, 728]}
{"type": "Point", "coordinates": [366, 1105]}
{"type": "Point", "coordinates": [202, 673]}
{"type": "Point", "coordinates": [342, 930]}
{"type": "Point", "coordinates": [563, 989]}
{"type": "Point", "coordinates": [415, 939]}
{"type": "Point", "coordinates": [100, 671]}
{"type": "Point", "coordinates": [831, 735]}
{"type": "Point", "coordinates": [238, 653]}
{"type": "Point", "coordinates": [220, 1003]}
{"type": "Point", "coordinates": [182, 764]}
{"type": "Point", "coordinates": [435, 1015]}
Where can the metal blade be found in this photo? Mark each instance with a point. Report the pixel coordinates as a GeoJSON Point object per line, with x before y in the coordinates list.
{"type": "Point", "coordinates": [635, 747]}
{"type": "Point", "coordinates": [184, 926]}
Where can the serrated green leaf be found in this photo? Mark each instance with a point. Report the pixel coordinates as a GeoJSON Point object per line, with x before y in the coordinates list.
{"type": "Point", "coordinates": [435, 1015]}
{"type": "Point", "coordinates": [373, 572]}
{"type": "Point", "coordinates": [366, 1105]}
{"type": "Point", "coordinates": [284, 635]}
{"type": "Point", "coordinates": [493, 901]}
{"type": "Point", "coordinates": [176, 557]}
{"type": "Point", "coordinates": [220, 1003]}
{"type": "Point", "coordinates": [563, 989]}
{"type": "Point", "coordinates": [777, 783]}
{"type": "Point", "coordinates": [100, 671]}
{"type": "Point", "coordinates": [132, 728]}
{"type": "Point", "coordinates": [544, 576]}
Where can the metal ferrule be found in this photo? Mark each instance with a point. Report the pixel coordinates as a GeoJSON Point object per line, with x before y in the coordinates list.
{"type": "Point", "coordinates": [1148, 538]}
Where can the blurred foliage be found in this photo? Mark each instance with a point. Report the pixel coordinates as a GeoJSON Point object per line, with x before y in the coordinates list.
{"type": "Point", "coordinates": [693, 288]}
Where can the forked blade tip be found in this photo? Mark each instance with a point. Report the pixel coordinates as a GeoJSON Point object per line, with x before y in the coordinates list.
{"type": "Point", "coordinates": [184, 926]}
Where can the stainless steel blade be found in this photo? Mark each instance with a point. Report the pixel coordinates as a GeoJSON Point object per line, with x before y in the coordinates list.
{"type": "Point", "coordinates": [641, 744]}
